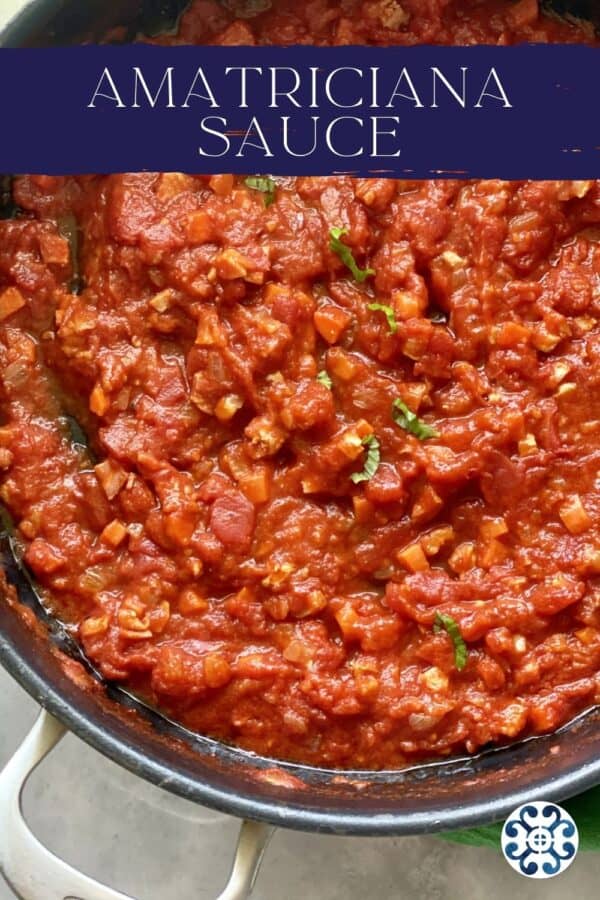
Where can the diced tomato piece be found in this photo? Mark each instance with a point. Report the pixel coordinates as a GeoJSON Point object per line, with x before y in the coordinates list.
{"type": "Point", "coordinates": [232, 519]}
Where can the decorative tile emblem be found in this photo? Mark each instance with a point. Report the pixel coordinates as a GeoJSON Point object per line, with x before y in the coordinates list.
{"type": "Point", "coordinates": [540, 839]}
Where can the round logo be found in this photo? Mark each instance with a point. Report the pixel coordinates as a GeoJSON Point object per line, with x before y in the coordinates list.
{"type": "Point", "coordinates": [540, 839]}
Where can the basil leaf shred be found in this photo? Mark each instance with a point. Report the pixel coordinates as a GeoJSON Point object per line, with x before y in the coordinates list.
{"type": "Point", "coordinates": [389, 314]}
{"type": "Point", "coordinates": [444, 622]}
{"type": "Point", "coordinates": [264, 184]}
{"type": "Point", "coordinates": [372, 460]}
{"type": "Point", "coordinates": [407, 419]}
{"type": "Point", "coordinates": [345, 254]}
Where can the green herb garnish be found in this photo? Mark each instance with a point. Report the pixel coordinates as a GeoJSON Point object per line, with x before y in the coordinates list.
{"type": "Point", "coordinates": [265, 185]}
{"type": "Point", "coordinates": [407, 419]}
{"type": "Point", "coordinates": [323, 378]}
{"type": "Point", "coordinates": [446, 623]}
{"type": "Point", "coordinates": [345, 254]}
{"type": "Point", "coordinates": [389, 314]}
{"type": "Point", "coordinates": [371, 462]}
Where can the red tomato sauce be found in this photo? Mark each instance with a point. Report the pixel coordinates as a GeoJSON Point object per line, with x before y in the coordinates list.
{"type": "Point", "coordinates": [403, 22]}
{"type": "Point", "coordinates": [210, 548]}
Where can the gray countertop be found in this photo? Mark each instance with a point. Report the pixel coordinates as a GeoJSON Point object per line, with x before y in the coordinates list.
{"type": "Point", "coordinates": [141, 840]}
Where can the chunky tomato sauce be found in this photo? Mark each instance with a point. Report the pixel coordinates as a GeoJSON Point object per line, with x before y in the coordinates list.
{"type": "Point", "coordinates": [339, 22]}
{"type": "Point", "coordinates": [322, 529]}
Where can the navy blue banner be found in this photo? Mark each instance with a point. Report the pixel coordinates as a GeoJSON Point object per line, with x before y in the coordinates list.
{"type": "Point", "coordinates": [419, 112]}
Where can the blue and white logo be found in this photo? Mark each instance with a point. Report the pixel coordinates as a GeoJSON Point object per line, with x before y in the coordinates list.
{"type": "Point", "coordinates": [540, 839]}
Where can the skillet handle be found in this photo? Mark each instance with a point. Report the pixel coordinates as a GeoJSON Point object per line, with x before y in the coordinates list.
{"type": "Point", "coordinates": [36, 874]}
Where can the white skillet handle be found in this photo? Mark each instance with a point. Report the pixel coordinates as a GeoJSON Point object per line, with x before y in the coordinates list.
{"type": "Point", "coordinates": [36, 874]}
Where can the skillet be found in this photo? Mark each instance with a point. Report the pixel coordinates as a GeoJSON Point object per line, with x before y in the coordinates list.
{"type": "Point", "coordinates": [41, 656]}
